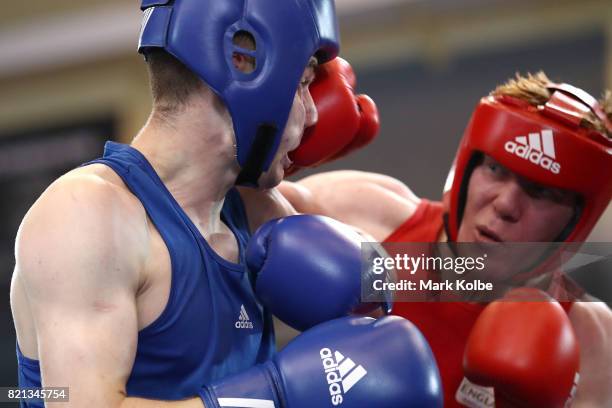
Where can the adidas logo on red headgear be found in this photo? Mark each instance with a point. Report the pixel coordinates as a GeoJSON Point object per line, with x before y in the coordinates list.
{"type": "Point", "coordinates": [540, 149]}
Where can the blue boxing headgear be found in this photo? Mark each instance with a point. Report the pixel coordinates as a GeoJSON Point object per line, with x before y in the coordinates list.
{"type": "Point", "coordinates": [200, 34]}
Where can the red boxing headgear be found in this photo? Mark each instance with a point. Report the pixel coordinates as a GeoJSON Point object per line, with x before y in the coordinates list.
{"type": "Point", "coordinates": [544, 144]}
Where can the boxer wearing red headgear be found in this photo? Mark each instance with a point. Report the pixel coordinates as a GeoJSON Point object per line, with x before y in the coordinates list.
{"type": "Point", "coordinates": [533, 165]}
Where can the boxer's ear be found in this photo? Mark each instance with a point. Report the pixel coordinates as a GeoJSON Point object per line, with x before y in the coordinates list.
{"type": "Point", "coordinates": [244, 62]}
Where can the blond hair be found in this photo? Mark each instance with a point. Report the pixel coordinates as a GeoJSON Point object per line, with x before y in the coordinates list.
{"type": "Point", "coordinates": [533, 89]}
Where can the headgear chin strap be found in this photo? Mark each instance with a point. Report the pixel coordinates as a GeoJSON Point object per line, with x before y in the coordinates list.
{"type": "Point", "coordinates": [544, 144]}
{"type": "Point", "coordinates": [200, 34]}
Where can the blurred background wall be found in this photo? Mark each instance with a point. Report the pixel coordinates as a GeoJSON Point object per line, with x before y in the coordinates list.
{"type": "Point", "coordinates": [70, 78]}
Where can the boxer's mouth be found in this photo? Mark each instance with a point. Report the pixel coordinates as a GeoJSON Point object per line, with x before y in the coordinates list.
{"type": "Point", "coordinates": [484, 234]}
{"type": "Point", "coordinates": [286, 162]}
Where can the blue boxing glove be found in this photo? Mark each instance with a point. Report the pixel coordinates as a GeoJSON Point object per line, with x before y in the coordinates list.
{"type": "Point", "coordinates": [307, 270]}
{"type": "Point", "coordinates": [349, 362]}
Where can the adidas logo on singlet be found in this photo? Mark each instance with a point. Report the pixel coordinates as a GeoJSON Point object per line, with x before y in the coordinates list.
{"type": "Point", "coordinates": [539, 149]}
{"type": "Point", "coordinates": [243, 320]}
{"type": "Point", "coordinates": [341, 374]}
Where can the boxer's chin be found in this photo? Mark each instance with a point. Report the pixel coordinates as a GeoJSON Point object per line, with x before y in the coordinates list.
{"type": "Point", "coordinates": [272, 177]}
{"type": "Point", "coordinates": [286, 162]}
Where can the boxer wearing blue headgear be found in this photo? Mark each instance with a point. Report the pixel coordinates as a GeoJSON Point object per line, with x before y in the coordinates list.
{"type": "Point", "coordinates": [130, 284]}
{"type": "Point", "coordinates": [286, 36]}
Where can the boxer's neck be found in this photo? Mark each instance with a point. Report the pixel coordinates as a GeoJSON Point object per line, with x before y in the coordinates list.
{"type": "Point", "coordinates": [193, 153]}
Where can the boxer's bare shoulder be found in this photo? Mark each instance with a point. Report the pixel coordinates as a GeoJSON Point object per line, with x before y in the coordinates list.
{"type": "Point", "coordinates": [592, 322]}
{"type": "Point", "coordinates": [92, 196]}
{"type": "Point", "coordinates": [79, 255]}
{"type": "Point", "coordinates": [375, 203]}
{"type": "Point", "coordinates": [71, 252]}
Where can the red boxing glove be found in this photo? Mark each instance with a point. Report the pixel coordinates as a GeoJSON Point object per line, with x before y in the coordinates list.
{"type": "Point", "coordinates": [526, 350]}
{"type": "Point", "coordinates": [346, 121]}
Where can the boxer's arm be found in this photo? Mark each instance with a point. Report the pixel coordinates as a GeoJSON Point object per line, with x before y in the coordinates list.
{"type": "Point", "coordinates": [592, 322]}
{"type": "Point", "coordinates": [262, 206]}
{"type": "Point", "coordinates": [80, 252]}
{"type": "Point", "coordinates": [375, 203]}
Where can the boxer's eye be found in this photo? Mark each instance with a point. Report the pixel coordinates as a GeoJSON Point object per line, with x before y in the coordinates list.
{"type": "Point", "coordinates": [495, 169]}
{"type": "Point", "coordinates": [544, 193]}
